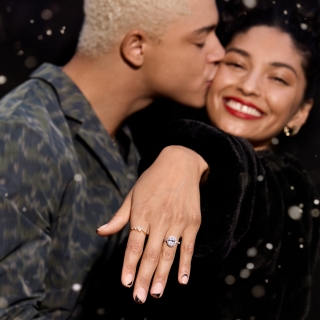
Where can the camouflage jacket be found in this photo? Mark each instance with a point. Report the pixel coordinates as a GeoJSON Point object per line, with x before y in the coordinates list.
{"type": "Point", "coordinates": [61, 177]}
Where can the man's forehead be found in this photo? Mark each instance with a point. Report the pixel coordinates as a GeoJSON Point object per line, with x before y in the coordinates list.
{"type": "Point", "coordinates": [203, 16]}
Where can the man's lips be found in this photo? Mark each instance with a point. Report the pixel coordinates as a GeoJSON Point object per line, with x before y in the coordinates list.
{"type": "Point", "coordinates": [242, 109]}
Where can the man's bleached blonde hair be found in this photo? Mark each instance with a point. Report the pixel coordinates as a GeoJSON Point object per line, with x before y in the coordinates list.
{"type": "Point", "coordinates": [107, 20]}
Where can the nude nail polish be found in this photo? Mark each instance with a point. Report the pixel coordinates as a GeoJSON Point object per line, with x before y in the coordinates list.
{"type": "Point", "coordinates": [102, 228]}
{"type": "Point", "coordinates": [184, 279]}
{"type": "Point", "coordinates": [128, 280]}
{"type": "Point", "coordinates": [157, 290]}
{"type": "Point", "coordinates": [140, 296]}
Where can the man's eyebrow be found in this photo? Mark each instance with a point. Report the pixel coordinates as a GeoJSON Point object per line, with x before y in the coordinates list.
{"type": "Point", "coordinates": [207, 29]}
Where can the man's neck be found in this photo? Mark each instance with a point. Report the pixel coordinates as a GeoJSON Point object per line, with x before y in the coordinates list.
{"type": "Point", "coordinates": [114, 90]}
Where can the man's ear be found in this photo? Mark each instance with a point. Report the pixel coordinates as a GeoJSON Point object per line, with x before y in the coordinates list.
{"type": "Point", "coordinates": [133, 48]}
{"type": "Point", "coordinates": [299, 119]}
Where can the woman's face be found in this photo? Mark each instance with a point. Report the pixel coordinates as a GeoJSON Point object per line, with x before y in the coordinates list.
{"type": "Point", "coordinates": [259, 87]}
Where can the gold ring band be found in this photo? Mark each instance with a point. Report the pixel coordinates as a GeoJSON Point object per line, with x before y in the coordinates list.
{"type": "Point", "coordinates": [138, 229]}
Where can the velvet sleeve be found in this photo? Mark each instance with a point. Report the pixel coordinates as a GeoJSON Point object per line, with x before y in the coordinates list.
{"type": "Point", "coordinates": [230, 186]}
{"type": "Point", "coordinates": [245, 199]}
{"type": "Point", "coordinates": [259, 235]}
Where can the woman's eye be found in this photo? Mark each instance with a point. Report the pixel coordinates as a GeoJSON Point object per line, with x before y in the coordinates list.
{"type": "Point", "coordinates": [234, 64]}
{"type": "Point", "coordinates": [280, 80]}
{"type": "Point", "coordinates": [200, 45]}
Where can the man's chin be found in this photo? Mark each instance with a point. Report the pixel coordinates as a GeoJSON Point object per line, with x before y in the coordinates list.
{"type": "Point", "coordinates": [198, 104]}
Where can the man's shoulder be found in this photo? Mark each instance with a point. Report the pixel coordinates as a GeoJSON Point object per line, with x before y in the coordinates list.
{"type": "Point", "coordinates": [33, 106]}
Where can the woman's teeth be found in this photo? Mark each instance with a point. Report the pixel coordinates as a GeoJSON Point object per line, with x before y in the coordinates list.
{"type": "Point", "coordinates": [235, 105]}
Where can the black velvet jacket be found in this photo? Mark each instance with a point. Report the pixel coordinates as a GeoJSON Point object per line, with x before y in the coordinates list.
{"type": "Point", "coordinates": [259, 235]}
{"type": "Point", "coordinates": [256, 247]}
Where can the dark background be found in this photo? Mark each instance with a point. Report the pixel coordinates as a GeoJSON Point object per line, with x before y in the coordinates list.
{"type": "Point", "coordinates": [35, 31]}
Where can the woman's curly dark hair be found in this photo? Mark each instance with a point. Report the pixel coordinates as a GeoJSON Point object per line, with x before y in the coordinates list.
{"type": "Point", "coordinates": [302, 25]}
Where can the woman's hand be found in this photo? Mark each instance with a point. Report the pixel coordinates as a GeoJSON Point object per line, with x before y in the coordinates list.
{"type": "Point", "coordinates": [164, 202]}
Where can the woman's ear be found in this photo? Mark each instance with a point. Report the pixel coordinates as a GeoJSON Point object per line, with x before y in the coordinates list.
{"type": "Point", "coordinates": [299, 119]}
{"type": "Point", "coordinates": [133, 48]}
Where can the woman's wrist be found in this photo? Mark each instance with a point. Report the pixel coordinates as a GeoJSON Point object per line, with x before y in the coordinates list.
{"type": "Point", "coordinates": [178, 154]}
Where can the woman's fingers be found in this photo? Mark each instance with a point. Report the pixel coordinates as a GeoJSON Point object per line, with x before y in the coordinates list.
{"type": "Point", "coordinates": [133, 253]}
{"type": "Point", "coordinates": [167, 255]}
{"type": "Point", "coordinates": [149, 263]}
{"type": "Point", "coordinates": [119, 220]}
{"type": "Point", "coordinates": [186, 253]}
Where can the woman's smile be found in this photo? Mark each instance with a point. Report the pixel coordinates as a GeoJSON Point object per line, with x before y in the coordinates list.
{"type": "Point", "coordinates": [242, 109]}
{"type": "Point", "coordinates": [259, 90]}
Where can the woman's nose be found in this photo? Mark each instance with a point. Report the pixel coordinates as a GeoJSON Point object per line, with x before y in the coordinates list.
{"type": "Point", "coordinates": [249, 84]}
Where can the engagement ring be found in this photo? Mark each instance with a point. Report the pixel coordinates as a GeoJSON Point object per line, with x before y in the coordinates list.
{"type": "Point", "coordinates": [171, 241]}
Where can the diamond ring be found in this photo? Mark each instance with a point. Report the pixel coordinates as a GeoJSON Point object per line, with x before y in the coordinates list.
{"type": "Point", "coordinates": [139, 229]}
{"type": "Point", "coordinates": [171, 241]}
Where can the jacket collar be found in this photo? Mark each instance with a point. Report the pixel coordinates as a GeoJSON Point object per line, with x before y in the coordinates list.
{"type": "Point", "coordinates": [74, 105]}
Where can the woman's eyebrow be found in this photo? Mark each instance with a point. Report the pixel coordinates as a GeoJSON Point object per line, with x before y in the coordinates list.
{"type": "Point", "coordinates": [240, 51]}
{"type": "Point", "coordinates": [273, 64]}
{"type": "Point", "coordinates": [284, 65]}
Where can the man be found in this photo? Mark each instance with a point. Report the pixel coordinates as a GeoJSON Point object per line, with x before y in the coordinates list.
{"type": "Point", "coordinates": [66, 163]}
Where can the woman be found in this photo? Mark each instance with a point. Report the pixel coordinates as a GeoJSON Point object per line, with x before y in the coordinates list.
{"type": "Point", "coordinates": [259, 235]}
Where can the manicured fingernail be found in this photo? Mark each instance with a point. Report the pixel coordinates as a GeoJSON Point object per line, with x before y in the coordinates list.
{"type": "Point", "coordinates": [157, 290]}
{"type": "Point", "coordinates": [102, 228]}
{"type": "Point", "coordinates": [184, 279]}
{"type": "Point", "coordinates": [128, 280]}
{"type": "Point", "coordinates": [140, 296]}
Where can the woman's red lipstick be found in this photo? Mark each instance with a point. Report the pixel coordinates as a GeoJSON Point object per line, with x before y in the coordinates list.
{"type": "Point", "coordinates": [242, 109]}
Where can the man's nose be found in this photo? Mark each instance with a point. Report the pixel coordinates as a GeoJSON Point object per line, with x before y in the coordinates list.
{"type": "Point", "coordinates": [217, 52]}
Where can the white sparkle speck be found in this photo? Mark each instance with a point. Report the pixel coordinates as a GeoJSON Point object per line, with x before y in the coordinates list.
{"type": "Point", "coordinates": [3, 80]}
{"type": "Point", "coordinates": [230, 280]}
{"type": "Point", "coordinates": [298, 5]}
{"type": "Point", "coordinates": [76, 287]}
{"type": "Point", "coordinates": [266, 281]}
{"type": "Point", "coordinates": [24, 209]}
{"type": "Point", "coordinates": [295, 213]}
{"type": "Point", "coordinates": [20, 53]}
{"type": "Point", "coordinates": [269, 246]}
{"type": "Point", "coordinates": [252, 252]}
{"type": "Point", "coordinates": [31, 21]}
{"type": "Point", "coordinates": [285, 12]}
{"type": "Point", "coordinates": [78, 177]}
{"type": "Point", "coordinates": [316, 201]}
{"type": "Point", "coordinates": [260, 178]}
{"type": "Point", "coordinates": [292, 187]}
{"type": "Point", "coordinates": [304, 26]}
{"type": "Point", "coordinates": [301, 246]}
{"type": "Point", "coordinates": [250, 266]}
{"type": "Point", "coordinates": [258, 291]}
{"type": "Point", "coordinates": [130, 176]}
{"type": "Point", "coordinates": [6, 195]}
{"type": "Point", "coordinates": [250, 3]}
{"type": "Point", "coordinates": [49, 32]}
{"type": "Point", "coordinates": [315, 213]}
{"type": "Point", "coordinates": [244, 274]}
{"type": "Point", "coordinates": [3, 303]}
{"type": "Point", "coordinates": [46, 14]}
{"type": "Point", "coordinates": [275, 141]}
{"type": "Point", "coordinates": [101, 311]}
{"type": "Point", "coordinates": [31, 62]}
